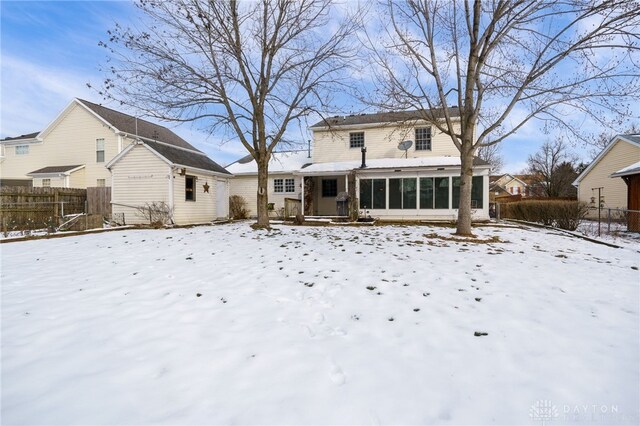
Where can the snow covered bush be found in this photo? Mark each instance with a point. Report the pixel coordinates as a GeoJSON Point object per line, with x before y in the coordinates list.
{"type": "Point", "coordinates": [565, 214]}
{"type": "Point", "coordinates": [238, 207]}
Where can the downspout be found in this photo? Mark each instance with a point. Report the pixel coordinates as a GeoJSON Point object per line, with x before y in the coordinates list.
{"type": "Point", "coordinates": [171, 192]}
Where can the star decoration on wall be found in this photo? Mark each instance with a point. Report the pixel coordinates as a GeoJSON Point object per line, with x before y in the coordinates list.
{"type": "Point", "coordinates": [206, 187]}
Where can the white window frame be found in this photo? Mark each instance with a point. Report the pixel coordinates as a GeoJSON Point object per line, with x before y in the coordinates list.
{"type": "Point", "coordinates": [358, 144]}
{"type": "Point", "coordinates": [423, 144]}
{"type": "Point", "coordinates": [22, 149]}
{"type": "Point", "coordinates": [289, 185]}
{"type": "Point", "coordinates": [100, 143]}
{"type": "Point", "coordinates": [278, 186]}
{"type": "Point", "coordinates": [99, 181]}
{"type": "Point", "coordinates": [46, 183]}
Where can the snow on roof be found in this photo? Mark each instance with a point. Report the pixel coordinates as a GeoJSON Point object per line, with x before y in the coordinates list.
{"type": "Point", "coordinates": [388, 163]}
{"type": "Point", "coordinates": [281, 162]}
{"type": "Point", "coordinates": [629, 170]}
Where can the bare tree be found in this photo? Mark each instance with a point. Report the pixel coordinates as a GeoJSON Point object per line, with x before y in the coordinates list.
{"type": "Point", "coordinates": [491, 154]}
{"type": "Point", "coordinates": [251, 69]}
{"type": "Point", "coordinates": [552, 169]}
{"type": "Point", "coordinates": [602, 139]}
{"type": "Point", "coordinates": [504, 63]}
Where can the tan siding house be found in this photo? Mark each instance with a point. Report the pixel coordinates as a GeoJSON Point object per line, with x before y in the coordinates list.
{"type": "Point", "coordinates": [418, 180]}
{"type": "Point", "coordinates": [622, 151]}
{"type": "Point", "coordinates": [148, 163]}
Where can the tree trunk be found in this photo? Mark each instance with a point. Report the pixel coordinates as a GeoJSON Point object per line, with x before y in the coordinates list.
{"type": "Point", "coordinates": [466, 174]}
{"type": "Point", "coordinates": [263, 199]}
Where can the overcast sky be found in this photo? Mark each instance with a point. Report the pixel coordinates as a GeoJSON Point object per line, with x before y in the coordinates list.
{"type": "Point", "coordinates": [50, 52]}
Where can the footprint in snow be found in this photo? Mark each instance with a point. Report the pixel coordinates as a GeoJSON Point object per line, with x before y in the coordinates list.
{"type": "Point", "coordinates": [336, 375]}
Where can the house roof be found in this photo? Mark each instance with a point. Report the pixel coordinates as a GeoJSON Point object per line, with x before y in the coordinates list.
{"type": "Point", "coordinates": [55, 169]}
{"type": "Point", "coordinates": [280, 162]}
{"type": "Point", "coordinates": [382, 117]}
{"type": "Point", "coordinates": [388, 163]}
{"type": "Point", "coordinates": [182, 157]}
{"type": "Point", "coordinates": [145, 129]}
{"type": "Point", "coordinates": [21, 137]}
{"type": "Point", "coordinates": [632, 139]}
{"type": "Point", "coordinates": [633, 169]}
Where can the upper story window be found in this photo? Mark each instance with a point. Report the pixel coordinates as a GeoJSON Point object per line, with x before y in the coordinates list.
{"type": "Point", "coordinates": [99, 150]}
{"type": "Point", "coordinates": [22, 149]}
{"type": "Point", "coordinates": [356, 140]}
{"type": "Point", "coordinates": [101, 182]}
{"type": "Point", "coordinates": [423, 139]}
{"type": "Point", "coordinates": [284, 185]}
{"type": "Point", "coordinates": [190, 188]}
{"type": "Point", "coordinates": [46, 183]}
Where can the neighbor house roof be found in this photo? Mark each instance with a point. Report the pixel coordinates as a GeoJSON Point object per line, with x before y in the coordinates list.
{"type": "Point", "coordinates": [174, 156]}
{"type": "Point", "coordinates": [382, 117]}
{"type": "Point", "coordinates": [56, 170]}
{"type": "Point", "coordinates": [280, 162]}
{"type": "Point", "coordinates": [633, 169]}
{"type": "Point", "coordinates": [144, 129]}
{"type": "Point", "coordinates": [631, 139]}
{"type": "Point", "coordinates": [28, 136]}
{"type": "Point", "coordinates": [387, 163]}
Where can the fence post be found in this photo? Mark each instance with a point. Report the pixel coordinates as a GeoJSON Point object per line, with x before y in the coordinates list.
{"type": "Point", "coordinates": [608, 221]}
{"type": "Point", "coordinates": [86, 214]}
{"type": "Point", "coordinates": [498, 211]}
{"type": "Point", "coordinates": [56, 210]}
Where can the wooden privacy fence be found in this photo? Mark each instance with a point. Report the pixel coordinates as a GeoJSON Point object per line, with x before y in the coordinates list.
{"type": "Point", "coordinates": [99, 200]}
{"type": "Point", "coordinates": [35, 208]}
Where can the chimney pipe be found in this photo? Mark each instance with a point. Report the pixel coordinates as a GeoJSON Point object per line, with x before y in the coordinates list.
{"type": "Point", "coordinates": [364, 157]}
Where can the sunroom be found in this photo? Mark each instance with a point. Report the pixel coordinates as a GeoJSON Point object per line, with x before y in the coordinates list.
{"type": "Point", "coordinates": [395, 189]}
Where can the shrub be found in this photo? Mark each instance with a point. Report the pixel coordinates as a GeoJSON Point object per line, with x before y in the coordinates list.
{"type": "Point", "coordinates": [238, 207]}
{"type": "Point", "coordinates": [159, 214]}
{"type": "Point", "coordinates": [564, 214]}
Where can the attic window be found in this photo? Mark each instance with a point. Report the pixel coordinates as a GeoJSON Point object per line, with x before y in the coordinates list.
{"type": "Point", "coordinates": [100, 150]}
{"type": "Point", "coordinates": [190, 188]}
{"type": "Point", "coordinates": [22, 149]}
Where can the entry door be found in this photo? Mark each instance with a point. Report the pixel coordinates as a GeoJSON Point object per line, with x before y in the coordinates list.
{"type": "Point", "coordinates": [222, 199]}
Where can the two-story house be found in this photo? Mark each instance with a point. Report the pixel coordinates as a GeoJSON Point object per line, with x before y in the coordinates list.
{"type": "Point", "coordinates": [90, 145]}
{"type": "Point", "coordinates": [402, 167]}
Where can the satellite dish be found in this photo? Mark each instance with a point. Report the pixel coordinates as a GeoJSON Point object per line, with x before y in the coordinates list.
{"type": "Point", "coordinates": [404, 146]}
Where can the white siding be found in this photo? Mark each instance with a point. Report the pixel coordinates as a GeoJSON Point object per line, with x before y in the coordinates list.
{"type": "Point", "coordinates": [139, 178]}
{"type": "Point", "coordinates": [381, 142]}
{"type": "Point", "coordinates": [203, 209]}
{"type": "Point", "coordinates": [621, 155]}
{"type": "Point", "coordinates": [247, 187]}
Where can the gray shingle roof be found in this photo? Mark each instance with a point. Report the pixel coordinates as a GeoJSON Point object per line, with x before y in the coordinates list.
{"type": "Point", "coordinates": [185, 158]}
{"type": "Point", "coordinates": [145, 129]}
{"type": "Point", "coordinates": [383, 117]}
{"type": "Point", "coordinates": [54, 169]}
{"type": "Point", "coordinates": [27, 136]}
{"type": "Point", "coordinates": [635, 138]}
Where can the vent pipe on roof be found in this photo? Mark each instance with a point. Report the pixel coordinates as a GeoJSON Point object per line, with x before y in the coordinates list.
{"type": "Point", "coordinates": [364, 157]}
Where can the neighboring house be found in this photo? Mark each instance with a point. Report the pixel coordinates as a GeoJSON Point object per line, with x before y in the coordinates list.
{"type": "Point", "coordinates": [418, 183]}
{"type": "Point", "coordinates": [508, 184]}
{"type": "Point", "coordinates": [618, 159]}
{"type": "Point", "coordinates": [283, 183]}
{"type": "Point", "coordinates": [149, 163]}
{"type": "Point", "coordinates": [148, 174]}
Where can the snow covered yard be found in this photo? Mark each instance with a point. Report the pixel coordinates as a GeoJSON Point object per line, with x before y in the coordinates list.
{"type": "Point", "coordinates": [319, 325]}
